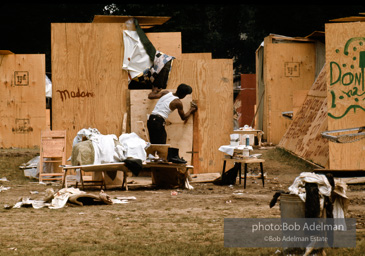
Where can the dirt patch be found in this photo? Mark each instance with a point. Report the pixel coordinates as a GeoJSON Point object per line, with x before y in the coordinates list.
{"type": "Point", "coordinates": [156, 222]}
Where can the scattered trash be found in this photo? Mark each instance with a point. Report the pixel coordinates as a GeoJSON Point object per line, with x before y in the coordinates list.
{"type": "Point", "coordinates": [2, 188]}
{"type": "Point", "coordinates": [31, 168]}
{"type": "Point", "coordinates": [126, 198]}
{"type": "Point", "coordinates": [33, 192]}
{"type": "Point", "coordinates": [49, 194]}
{"type": "Point", "coordinates": [118, 201]}
{"type": "Point", "coordinates": [174, 193]}
{"type": "Point", "coordinates": [3, 179]}
{"type": "Point", "coordinates": [75, 196]}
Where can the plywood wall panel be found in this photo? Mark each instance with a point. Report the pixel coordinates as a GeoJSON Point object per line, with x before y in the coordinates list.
{"type": "Point", "coordinates": [303, 137]}
{"type": "Point", "coordinates": [345, 83]}
{"type": "Point", "coordinates": [89, 85]}
{"type": "Point", "coordinates": [215, 117]}
{"type": "Point", "coordinates": [197, 56]}
{"type": "Point", "coordinates": [179, 133]}
{"type": "Point", "coordinates": [22, 100]}
{"type": "Point", "coordinates": [212, 83]}
{"type": "Point", "coordinates": [167, 42]}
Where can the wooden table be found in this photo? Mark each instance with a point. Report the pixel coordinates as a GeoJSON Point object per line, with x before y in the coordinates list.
{"type": "Point", "coordinates": [257, 133]}
{"type": "Point", "coordinates": [245, 161]}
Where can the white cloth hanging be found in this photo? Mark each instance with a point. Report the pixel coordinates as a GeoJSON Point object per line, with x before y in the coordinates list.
{"type": "Point", "coordinates": [136, 59]}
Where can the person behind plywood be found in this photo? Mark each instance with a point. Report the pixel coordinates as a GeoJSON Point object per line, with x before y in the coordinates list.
{"type": "Point", "coordinates": [167, 103]}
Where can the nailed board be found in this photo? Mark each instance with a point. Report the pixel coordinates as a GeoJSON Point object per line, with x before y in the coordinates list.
{"type": "Point", "coordinates": [144, 21]}
{"type": "Point", "coordinates": [89, 85]}
{"type": "Point", "coordinates": [303, 137]}
{"type": "Point", "coordinates": [22, 100]}
{"type": "Point", "coordinates": [213, 121]}
{"type": "Point", "coordinates": [345, 83]}
{"type": "Point", "coordinates": [288, 66]}
{"type": "Point", "coordinates": [179, 134]}
{"type": "Point", "coordinates": [197, 56]}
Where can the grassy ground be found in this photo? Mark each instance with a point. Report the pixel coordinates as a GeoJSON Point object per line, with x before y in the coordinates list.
{"type": "Point", "coordinates": [158, 222]}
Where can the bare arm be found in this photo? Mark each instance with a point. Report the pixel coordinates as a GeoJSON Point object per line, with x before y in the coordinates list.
{"type": "Point", "coordinates": [177, 104]}
{"type": "Point", "coordinates": [156, 93]}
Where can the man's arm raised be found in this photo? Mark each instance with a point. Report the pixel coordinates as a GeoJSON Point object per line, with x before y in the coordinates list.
{"type": "Point", "coordinates": [156, 93]}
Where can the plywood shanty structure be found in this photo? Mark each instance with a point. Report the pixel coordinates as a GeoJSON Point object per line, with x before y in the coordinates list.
{"type": "Point", "coordinates": [345, 53]}
{"type": "Point", "coordinates": [303, 137]}
{"type": "Point", "coordinates": [286, 65]}
{"type": "Point", "coordinates": [22, 99]}
{"type": "Point", "coordinates": [91, 90]}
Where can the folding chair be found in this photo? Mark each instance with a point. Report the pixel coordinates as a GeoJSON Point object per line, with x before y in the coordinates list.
{"type": "Point", "coordinates": [52, 150]}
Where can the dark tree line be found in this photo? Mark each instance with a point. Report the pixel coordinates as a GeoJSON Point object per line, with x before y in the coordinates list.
{"type": "Point", "coordinates": [227, 31]}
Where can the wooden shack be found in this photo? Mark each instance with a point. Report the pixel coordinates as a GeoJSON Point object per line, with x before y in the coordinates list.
{"type": "Point", "coordinates": [90, 88]}
{"type": "Point", "coordinates": [22, 99]}
{"type": "Point", "coordinates": [284, 65]}
{"type": "Point", "coordinates": [345, 85]}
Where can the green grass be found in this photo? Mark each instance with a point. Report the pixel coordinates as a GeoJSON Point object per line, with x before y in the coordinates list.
{"type": "Point", "coordinates": [11, 159]}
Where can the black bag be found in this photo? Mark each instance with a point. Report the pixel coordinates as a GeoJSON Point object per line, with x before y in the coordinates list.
{"type": "Point", "coordinates": [229, 177]}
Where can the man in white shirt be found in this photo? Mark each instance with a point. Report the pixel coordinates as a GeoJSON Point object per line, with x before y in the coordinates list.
{"type": "Point", "coordinates": [167, 103]}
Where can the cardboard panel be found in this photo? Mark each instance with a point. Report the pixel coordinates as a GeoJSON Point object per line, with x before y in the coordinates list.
{"type": "Point", "coordinates": [22, 100]}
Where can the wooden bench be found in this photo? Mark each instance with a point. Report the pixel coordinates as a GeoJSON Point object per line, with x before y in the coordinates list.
{"type": "Point", "coordinates": [120, 166]}
{"type": "Point", "coordinates": [95, 168]}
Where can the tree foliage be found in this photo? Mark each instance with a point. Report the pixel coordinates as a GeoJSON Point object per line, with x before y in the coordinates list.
{"type": "Point", "coordinates": [226, 30]}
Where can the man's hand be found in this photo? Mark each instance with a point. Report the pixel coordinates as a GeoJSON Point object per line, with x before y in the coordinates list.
{"type": "Point", "coordinates": [156, 93]}
{"type": "Point", "coordinates": [193, 106]}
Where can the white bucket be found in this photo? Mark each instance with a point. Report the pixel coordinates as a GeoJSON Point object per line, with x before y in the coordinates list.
{"type": "Point", "coordinates": [246, 152]}
{"type": "Point", "coordinates": [235, 143]}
